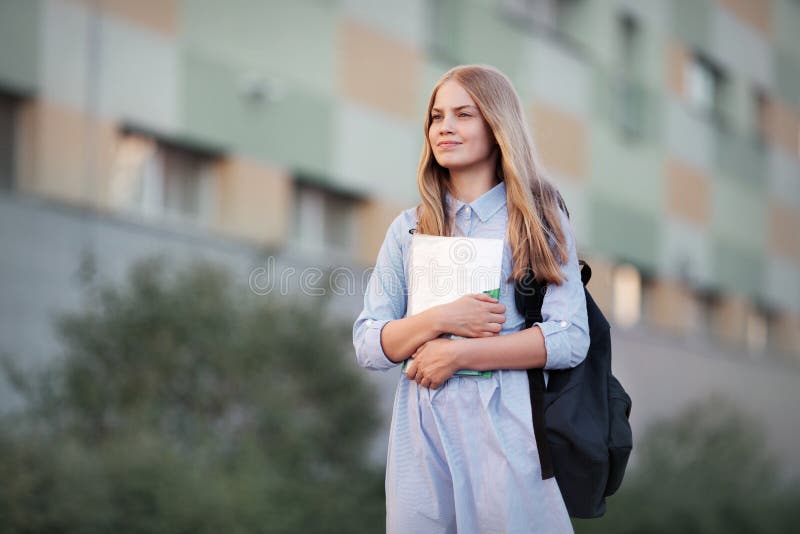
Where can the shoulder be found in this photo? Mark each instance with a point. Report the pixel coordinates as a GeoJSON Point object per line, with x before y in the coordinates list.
{"type": "Point", "coordinates": [563, 218]}
{"type": "Point", "coordinates": [402, 228]}
{"type": "Point", "coordinates": [566, 227]}
{"type": "Point", "coordinates": [405, 223]}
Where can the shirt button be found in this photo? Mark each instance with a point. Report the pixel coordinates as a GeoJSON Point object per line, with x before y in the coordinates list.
{"type": "Point", "coordinates": [563, 324]}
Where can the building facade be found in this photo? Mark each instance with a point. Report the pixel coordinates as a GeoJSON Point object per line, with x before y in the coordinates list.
{"type": "Point", "coordinates": [671, 127]}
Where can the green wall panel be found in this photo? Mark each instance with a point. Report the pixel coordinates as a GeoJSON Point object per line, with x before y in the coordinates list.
{"type": "Point", "coordinates": [630, 173]}
{"type": "Point", "coordinates": [691, 21]}
{"type": "Point", "coordinates": [475, 32]}
{"type": "Point", "coordinates": [785, 23]}
{"type": "Point", "coordinates": [19, 44]}
{"type": "Point", "coordinates": [294, 40]}
{"type": "Point", "coordinates": [736, 269]}
{"type": "Point", "coordinates": [787, 74]}
{"type": "Point", "coordinates": [623, 233]}
{"type": "Point", "coordinates": [294, 131]}
{"type": "Point", "coordinates": [742, 157]}
{"type": "Point", "coordinates": [739, 213]}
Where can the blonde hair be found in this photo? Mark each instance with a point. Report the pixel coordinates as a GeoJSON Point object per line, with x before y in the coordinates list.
{"type": "Point", "coordinates": [532, 200]}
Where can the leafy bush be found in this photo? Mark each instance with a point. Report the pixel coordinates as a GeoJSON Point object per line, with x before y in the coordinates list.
{"type": "Point", "coordinates": [704, 471]}
{"type": "Point", "coordinates": [185, 404]}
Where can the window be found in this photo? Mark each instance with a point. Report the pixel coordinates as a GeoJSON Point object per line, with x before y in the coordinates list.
{"type": "Point", "coordinates": [627, 295]}
{"type": "Point", "coordinates": [556, 18]}
{"type": "Point", "coordinates": [566, 17]}
{"type": "Point", "coordinates": [761, 112]}
{"type": "Point", "coordinates": [630, 94]}
{"type": "Point", "coordinates": [9, 107]}
{"type": "Point", "coordinates": [324, 220]}
{"type": "Point", "coordinates": [530, 14]}
{"type": "Point", "coordinates": [161, 179]}
{"type": "Point", "coordinates": [630, 37]}
{"type": "Point", "coordinates": [706, 89]}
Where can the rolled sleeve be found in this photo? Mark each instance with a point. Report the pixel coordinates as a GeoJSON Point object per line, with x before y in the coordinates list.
{"type": "Point", "coordinates": [384, 301]}
{"type": "Point", "coordinates": [565, 325]}
{"type": "Point", "coordinates": [367, 341]}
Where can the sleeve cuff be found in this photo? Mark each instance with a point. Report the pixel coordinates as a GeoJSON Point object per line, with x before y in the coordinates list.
{"type": "Point", "coordinates": [560, 353]}
{"type": "Point", "coordinates": [374, 356]}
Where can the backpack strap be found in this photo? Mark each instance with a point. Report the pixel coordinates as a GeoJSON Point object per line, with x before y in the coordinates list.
{"type": "Point", "coordinates": [586, 272]}
{"type": "Point", "coordinates": [532, 291]}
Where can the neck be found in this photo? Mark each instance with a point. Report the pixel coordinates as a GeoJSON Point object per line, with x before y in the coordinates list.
{"type": "Point", "coordinates": [469, 184]}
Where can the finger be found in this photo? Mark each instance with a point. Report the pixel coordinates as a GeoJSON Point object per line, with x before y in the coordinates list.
{"type": "Point", "coordinates": [492, 328]}
{"type": "Point", "coordinates": [411, 370]}
{"type": "Point", "coordinates": [425, 382]}
{"type": "Point", "coordinates": [496, 318]}
{"type": "Point", "coordinates": [484, 297]}
{"type": "Point", "coordinates": [497, 308]}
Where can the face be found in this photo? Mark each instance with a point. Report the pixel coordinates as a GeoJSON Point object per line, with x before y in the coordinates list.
{"type": "Point", "coordinates": [460, 137]}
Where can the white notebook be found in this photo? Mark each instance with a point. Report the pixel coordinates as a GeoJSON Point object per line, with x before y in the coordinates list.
{"type": "Point", "coordinates": [444, 269]}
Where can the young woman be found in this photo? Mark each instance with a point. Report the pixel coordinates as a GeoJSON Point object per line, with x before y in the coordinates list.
{"type": "Point", "coordinates": [462, 455]}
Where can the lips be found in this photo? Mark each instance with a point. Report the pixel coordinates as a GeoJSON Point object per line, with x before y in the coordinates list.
{"type": "Point", "coordinates": [446, 144]}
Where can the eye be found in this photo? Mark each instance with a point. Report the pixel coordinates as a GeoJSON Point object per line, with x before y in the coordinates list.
{"type": "Point", "coordinates": [435, 117]}
{"type": "Point", "coordinates": [464, 115]}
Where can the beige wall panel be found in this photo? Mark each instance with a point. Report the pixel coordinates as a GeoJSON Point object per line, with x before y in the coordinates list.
{"type": "Point", "coordinates": [158, 15]}
{"type": "Point", "coordinates": [677, 59]}
{"type": "Point", "coordinates": [786, 335]}
{"type": "Point", "coordinates": [253, 201]}
{"type": "Point", "coordinates": [67, 156]}
{"type": "Point", "coordinates": [783, 125]}
{"type": "Point", "coordinates": [784, 223]}
{"type": "Point", "coordinates": [729, 321]}
{"type": "Point", "coordinates": [671, 307]}
{"type": "Point", "coordinates": [561, 141]}
{"type": "Point", "coordinates": [601, 284]}
{"type": "Point", "coordinates": [377, 71]}
{"type": "Point", "coordinates": [756, 13]}
{"type": "Point", "coordinates": [372, 221]}
{"type": "Point", "coordinates": [688, 193]}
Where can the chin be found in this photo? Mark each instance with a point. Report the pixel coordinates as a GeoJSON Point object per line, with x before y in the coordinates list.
{"type": "Point", "coordinates": [448, 163]}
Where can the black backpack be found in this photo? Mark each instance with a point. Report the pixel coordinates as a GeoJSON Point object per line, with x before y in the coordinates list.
{"type": "Point", "coordinates": [580, 419]}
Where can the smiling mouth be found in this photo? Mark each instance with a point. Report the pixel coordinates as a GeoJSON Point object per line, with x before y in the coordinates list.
{"type": "Point", "coordinates": [448, 144]}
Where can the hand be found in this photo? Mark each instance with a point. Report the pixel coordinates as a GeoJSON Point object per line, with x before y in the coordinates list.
{"type": "Point", "coordinates": [433, 363]}
{"type": "Point", "coordinates": [476, 315]}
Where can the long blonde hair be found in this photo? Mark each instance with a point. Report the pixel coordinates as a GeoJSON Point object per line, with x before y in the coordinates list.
{"type": "Point", "coordinates": [532, 200]}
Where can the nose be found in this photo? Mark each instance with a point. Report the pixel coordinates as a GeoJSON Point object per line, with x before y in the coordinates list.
{"type": "Point", "coordinates": [447, 124]}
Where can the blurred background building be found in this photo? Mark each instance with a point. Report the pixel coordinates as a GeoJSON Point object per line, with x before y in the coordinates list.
{"type": "Point", "coordinates": [242, 130]}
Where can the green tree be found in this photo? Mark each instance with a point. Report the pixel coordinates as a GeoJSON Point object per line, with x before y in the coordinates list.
{"type": "Point", "coordinates": [183, 403]}
{"type": "Point", "coordinates": [705, 471]}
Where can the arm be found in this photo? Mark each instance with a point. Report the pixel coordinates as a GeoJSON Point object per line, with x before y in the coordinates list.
{"type": "Point", "coordinates": [402, 337]}
{"type": "Point", "coordinates": [521, 350]}
{"type": "Point", "coordinates": [384, 301]}
{"type": "Point", "coordinates": [471, 316]}
{"type": "Point", "coordinates": [562, 338]}
{"type": "Point", "coordinates": [559, 341]}
{"type": "Point", "coordinates": [382, 335]}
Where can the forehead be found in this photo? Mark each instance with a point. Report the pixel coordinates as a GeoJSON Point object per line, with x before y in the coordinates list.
{"type": "Point", "coordinates": [451, 94]}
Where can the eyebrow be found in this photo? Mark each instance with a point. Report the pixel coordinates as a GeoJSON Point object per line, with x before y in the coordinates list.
{"type": "Point", "coordinates": [457, 107]}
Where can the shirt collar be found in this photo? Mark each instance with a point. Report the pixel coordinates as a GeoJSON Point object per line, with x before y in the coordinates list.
{"type": "Point", "coordinates": [484, 206]}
